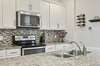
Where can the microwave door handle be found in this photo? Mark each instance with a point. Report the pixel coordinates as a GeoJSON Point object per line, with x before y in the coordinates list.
{"type": "Point", "coordinates": [19, 17]}
{"type": "Point", "coordinates": [41, 21]}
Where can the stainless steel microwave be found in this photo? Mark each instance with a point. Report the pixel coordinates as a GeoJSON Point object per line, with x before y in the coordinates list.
{"type": "Point", "coordinates": [27, 19]}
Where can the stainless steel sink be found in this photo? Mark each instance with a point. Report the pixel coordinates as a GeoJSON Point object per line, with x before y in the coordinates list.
{"type": "Point", "coordinates": [64, 55]}
{"type": "Point", "coordinates": [76, 53]}
{"type": "Point", "coordinates": [69, 54]}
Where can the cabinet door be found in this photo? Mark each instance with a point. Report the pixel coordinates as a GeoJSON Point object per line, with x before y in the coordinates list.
{"type": "Point", "coordinates": [59, 47]}
{"type": "Point", "coordinates": [51, 48]}
{"type": "Point", "coordinates": [0, 13]}
{"type": "Point", "coordinates": [13, 53]}
{"type": "Point", "coordinates": [2, 54]}
{"type": "Point", "coordinates": [35, 4]}
{"type": "Point", "coordinates": [9, 14]}
{"type": "Point", "coordinates": [53, 16]}
{"type": "Point", "coordinates": [57, 17]}
{"type": "Point", "coordinates": [61, 18]}
{"type": "Point", "coordinates": [23, 5]}
{"type": "Point", "coordinates": [44, 12]}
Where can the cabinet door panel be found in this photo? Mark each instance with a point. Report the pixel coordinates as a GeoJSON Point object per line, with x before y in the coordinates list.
{"type": "Point", "coordinates": [13, 53]}
{"type": "Point", "coordinates": [2, 54]}
{"type": "Point", "coordinates": [59, 47]}
{"type": "Point", "coordinates": [44, 11]}
{"type": "Point", "coordinates": [23, 5]}
{"type": "Point", "coordinates": [0, 13]}
{"type": "Point", "coordinates": [61, 17]}
{"type": "Point", "coordinates": [57, 17]}
{"type": "Point", "coordinates": [50, 48]}
{"type": "Point", "coordinates": [9, 14]}
{"type": "Point", "coordinates": [35, 5]}
{"type": "Point", "coordinates": [53, 16]}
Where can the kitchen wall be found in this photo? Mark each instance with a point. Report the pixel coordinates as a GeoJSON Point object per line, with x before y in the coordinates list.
{"type": "Point", "coordinates": [7, 34]}
{"type": "Point", "coordinates": [90, 8]}
{"type": "Point", "coordinates": [69, 4]}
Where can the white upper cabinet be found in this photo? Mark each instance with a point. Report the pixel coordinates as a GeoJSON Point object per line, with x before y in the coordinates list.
{"type": "Point", "coordinates": [28, 5]}
{"type": "Point", "coordinates": [44, 12]}
{"type": "Point", "coordinates": [0, 13]}
{"type": "Point", "coordinates": [35, 5]}
{"type": "Point", "coordinates": [57, 17]}
{"type": "Point", "coordinates": [22, 5]}
{"type": "Point", "coordinates": [62, 18]}
{"type": "Point", "coordinates": [53, 16]}
{"type": "Point", "coordinates": [9, 14]}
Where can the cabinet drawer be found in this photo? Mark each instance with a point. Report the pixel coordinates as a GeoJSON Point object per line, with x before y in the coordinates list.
{"type": "Point", "coordinates": [2, 54]}
{"type": "Point", "coordinates": [13, 52]}
{"type": "Point", "coordinates": [59, 47]}
{"type": "Point", "coordinates": [50, 48]}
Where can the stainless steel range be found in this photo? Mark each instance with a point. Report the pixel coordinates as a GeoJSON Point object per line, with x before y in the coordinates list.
{"type": "Point", "coordinates": [28, 44]}
{"type": "Point", "coordinates": [25, 41]}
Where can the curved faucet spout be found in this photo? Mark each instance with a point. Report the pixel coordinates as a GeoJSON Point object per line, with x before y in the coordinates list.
{"type": "Point", "coordinates": [76, 45]}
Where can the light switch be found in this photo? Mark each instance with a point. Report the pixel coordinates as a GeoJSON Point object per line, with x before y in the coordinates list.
{"type": "Point", "coordinates": [1, 38]}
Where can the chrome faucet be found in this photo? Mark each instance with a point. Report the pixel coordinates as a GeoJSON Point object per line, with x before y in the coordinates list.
{"type": "Point", "coordinates": [82, 51]}
{"type": "Point", "coordinates": [74, 42]}
{"type": "Point", "coordinates": [84, 48]}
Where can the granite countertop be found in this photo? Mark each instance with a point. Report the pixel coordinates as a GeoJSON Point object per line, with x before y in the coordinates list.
{"type": "Point", "coordinates": [2, 47]}
{"type": "Point", "coordinates": [44, 59]}
{"type": "Point", "coordinates": [57, 43]}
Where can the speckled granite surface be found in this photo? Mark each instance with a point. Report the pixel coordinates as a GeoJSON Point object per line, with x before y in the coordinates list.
{"type": "Point", "coordinates": [49, 60]}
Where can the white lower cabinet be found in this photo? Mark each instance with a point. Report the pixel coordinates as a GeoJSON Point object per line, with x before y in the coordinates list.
{"type": "Point", "coordinates": [2, 54]}
{"type": "Point", "coordinates": [13, 53]}
{"type": "Point", "coordinates": [50, 48]}
{"type": "Point", "coordinates": [8, 53]}
{"type": "Point", "coordinates": [59, 47]}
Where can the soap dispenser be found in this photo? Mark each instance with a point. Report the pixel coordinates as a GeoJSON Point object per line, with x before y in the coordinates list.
{"type": "Point", "coordinates": [42, 39]}
{"type": "Point", "coordinates": [84, 50]}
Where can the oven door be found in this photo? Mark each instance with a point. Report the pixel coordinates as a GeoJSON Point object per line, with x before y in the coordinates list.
{"type": "Point", "coordinates": [33, 50]}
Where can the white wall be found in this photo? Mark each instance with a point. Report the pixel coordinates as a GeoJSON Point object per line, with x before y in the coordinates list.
{"type": "Point", "coordinates": [70, 19]}
{"type": "Point", "coordinates": [91, 8]}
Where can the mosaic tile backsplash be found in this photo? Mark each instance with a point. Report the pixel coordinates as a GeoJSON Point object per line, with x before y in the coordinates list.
{"type": "Point", "coordinates": [8, 33]}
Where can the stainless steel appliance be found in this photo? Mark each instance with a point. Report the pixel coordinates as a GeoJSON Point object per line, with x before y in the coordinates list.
{"type": "Point", "coordinates": [24, 41]}
{"type": "Point", "coordinates": [28, 44]}
{"type": "Point", "coordinates": [27, 19]}
{"type": "Point", "coordinates": [33, 50]}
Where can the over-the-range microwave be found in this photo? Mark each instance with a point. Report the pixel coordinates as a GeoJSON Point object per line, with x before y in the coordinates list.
{"type": "Point", "coordinates": [27, 19]}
